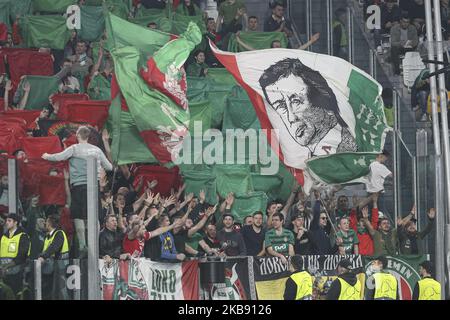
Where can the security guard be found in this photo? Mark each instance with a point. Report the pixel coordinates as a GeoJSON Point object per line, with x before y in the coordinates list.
{"type": "Point", "coordinates": [299, 286]}
{"type": "Point", "coordinates": [383, 285]}
{"type": "Point", "coordinates": [14, 251]}
{"type": "Point", "coordinates": [427, 288]}
{"type": "Point", "coordinates": [346, 286]}
{"type": "Point", "coordinates": [55, 244]}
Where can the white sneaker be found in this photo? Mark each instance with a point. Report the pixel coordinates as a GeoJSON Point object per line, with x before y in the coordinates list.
{"type": "Point", "coordinates": [379, 50]}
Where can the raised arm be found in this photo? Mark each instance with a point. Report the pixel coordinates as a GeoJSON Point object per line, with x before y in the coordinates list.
{"type": "Point", "coordinates": [202, 222]}
{"type": "Point", "coordinates": [61, 156]}
{"type": "Point", "coordinates": [311, 41]}
{"type": "Point", "coordinates": [243, 44]}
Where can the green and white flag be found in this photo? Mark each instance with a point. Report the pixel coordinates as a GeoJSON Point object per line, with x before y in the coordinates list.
{"type": "Point", "coordinates": [327, 115]}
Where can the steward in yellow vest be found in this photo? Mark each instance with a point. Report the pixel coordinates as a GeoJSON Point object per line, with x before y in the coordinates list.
{"type": "Point", "coordinates": [56, 245]}
{"type": "Point", "coordinates": [346, 286]}
{"type": "Point", "coordinates": [14, 244]}
{"type": "Point", "coordinates": [383, 285]}
{"type": "Point", "coordinates": [427, 288]}
{"type": "Point", "coordinates": [299, 286]}
{"type": "Point", "coordinates": [14, 251]}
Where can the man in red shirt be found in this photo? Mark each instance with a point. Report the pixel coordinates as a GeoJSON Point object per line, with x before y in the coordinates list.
{"type": "Point", "coordinates": [359, 225]}
{"type": "Point", "coordinates": [134, 242]}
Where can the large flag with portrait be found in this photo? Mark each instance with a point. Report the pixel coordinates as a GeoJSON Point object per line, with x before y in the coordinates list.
{"type": "Point", "coordinates": [327, 114]}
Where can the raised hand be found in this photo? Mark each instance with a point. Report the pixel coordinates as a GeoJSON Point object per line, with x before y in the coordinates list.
{"type": "Point", "coordinates": [365, 212]}
{"type": "Point", "coordinates": [229, 199]}
{"type": "Point", "coordinates": [315, 37]}
{"type": "Point", "coordinates": [157, 199]}
{"type": "Point", "coordinates": [413, 211]}
{"type": "Point", "coordinates": [152, 184]}
{"type": "Point", "coordinates": [189, 197]}
{"type": "Point", "coordinates": [105, 135]}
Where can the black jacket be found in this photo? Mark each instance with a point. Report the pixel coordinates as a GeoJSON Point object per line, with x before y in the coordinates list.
{"type": "Point", "coordinates": [110, 243]}
{"type": "Point", "coordinates": [335, 289]}
{"type": "Point", "coordinates": [24, 245]}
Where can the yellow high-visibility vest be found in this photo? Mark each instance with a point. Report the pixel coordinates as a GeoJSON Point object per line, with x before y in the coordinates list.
{"type": "Point", "coordinates": [429, 289]}
{"type": "Point", "coordinates": [385, 286]}
{"type": "Point", "coordinates": [48, 241]}
{"type": "Point", "coordinates": [344, 41]}
{"type": "Point", "coordinates": [349, 292]}
{"type": "Point", "coordinates": [304, 283]}
{"type": "Point", "coordinates": [9, 247]}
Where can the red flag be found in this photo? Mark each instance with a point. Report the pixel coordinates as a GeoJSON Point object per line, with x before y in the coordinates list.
{"type": "Point", "coordinates": [36, 147]}
{"type": "Point", "coordinates": [29, 62]}
{"type": "Point", "coordinates": [167, 178]}
{"type": "Point", "coordinates": [31, 171]}
{"type": "Point", "coordinates": [93, 112]}
{"type": "Point", "coordinates": [52, 190]}
{"type": "Point", "coordinates": [3, 32]}
{"type": "Point", "coordinates": [28, 115]}
{"type": "Point", "coordinates": [10, 133]}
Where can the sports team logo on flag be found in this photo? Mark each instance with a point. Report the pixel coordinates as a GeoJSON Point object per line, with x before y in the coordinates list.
{"type": "Point", "coordinates": [319, 106]}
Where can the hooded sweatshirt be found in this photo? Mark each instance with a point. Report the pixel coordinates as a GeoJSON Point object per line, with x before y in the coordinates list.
{"type": "Point", "coordinates": [335, 289]}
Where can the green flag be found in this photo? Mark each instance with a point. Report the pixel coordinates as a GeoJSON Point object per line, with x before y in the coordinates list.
{"type": "Point", "coordinates": [92, 23]}
{"type": "Point", "coordinates": [51, 6]}
{"type": "Point", "coordinates": [370, 130]}
{"type": "Point", "coordinates": [128, 146]}
{"type": "Point", "coordinates": [256, 40]}
{"type": "Point", "coordinates": [246, 205]}
{"type": "Point", "coordinates": [5, 10]}
{"type": "Point", "coordinates": [44, 31]}
{"type": "Point", "coordinates": [99, 88]}
{"type": "Point", "coordinates": [197, 180]}
{"type": "Point", "coordinates": [41, 87]}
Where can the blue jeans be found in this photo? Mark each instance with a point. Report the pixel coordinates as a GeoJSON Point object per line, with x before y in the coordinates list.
{"type": "Point", "coordinates": [422, 99]}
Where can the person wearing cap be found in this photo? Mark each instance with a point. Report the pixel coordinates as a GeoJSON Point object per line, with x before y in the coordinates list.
{"type": "Point", "coordinates": [230, 240]}
{"type": "Point", "coordinates": [346, 286]}
{"type": "Point", "coordinates": [427, 288]}
{"type": "Point", "coordinates": [299, 285]}
{"type": "Point", "coordinates": [301, 235]}
{"type": "Point", "coordinates": [383, 285]}
{"type": "Point", "coordinates": [14, 251]}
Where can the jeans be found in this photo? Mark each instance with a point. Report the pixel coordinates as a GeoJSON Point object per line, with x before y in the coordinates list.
{"type": "Point", "coordinates": [422, 98]}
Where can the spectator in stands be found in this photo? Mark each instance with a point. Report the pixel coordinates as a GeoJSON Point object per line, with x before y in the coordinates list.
{"type": "Point", "coordinates": [390, 15]}
{"type": "Point", "coordinates": [403, 39]}
{"type": "Point", "coordinates": [276, 22]}
{"type": "Point", "coordinates": [133, 242]}
{"type": "Point", "coordinates": [420, 92]}
{"type": "Point", "coordinates": [20, 99]}
{"type": "Point", "coordinates": [168, 249]}
{"type": "Point", "coordinates": [301, 234]}
{"type": "Point", "coordinates": [231, 17]}
{"type": "Point", "coordinates": [152, 25]}
{"type": "Point", "coordinates": [411, 240]}
{"type": "Point", "coordinates": [69, 84]}
{"type": "Point", "coordinates": [80, 61]}
{"type": "Point", "coordinates": [349, 238]}
{"type": "Point", "coordinates": [385, 240]}
{"type": "Point", "coordinates": [188, 8]}
{"type": "Point", "coordinates": [231, 241]}
{"type": "Point", "coordinates": [358, 222]}
{"type": "Point", "coordinates": [340, 41]}
{"type": "Point", "coordinates": [416, 12]}
{"type": "Point", "coordinates": [199, 68]}
{"type": "Point", "coordinates": [210, 238]}
{"type": "Point", "coordinates": [321, 234]}
{"type": "Point", "coordinates": [279, 242]}
{"type": "Point", "coordinates": [248, 220]}
{"type": "Point", "coordinates": [254, 235]}
{"type": "Point", "coordinates": [252, 24]}
{"type": "Point", "coordinates": [342, 209]}
{"type": "Point", "coordinates": [77, 155]}
{"type": "Point", "coordinates": [110, 241]}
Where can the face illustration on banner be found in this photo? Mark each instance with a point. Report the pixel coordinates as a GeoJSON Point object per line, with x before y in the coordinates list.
{"type": "Point", "coordinates": [306, 105]}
